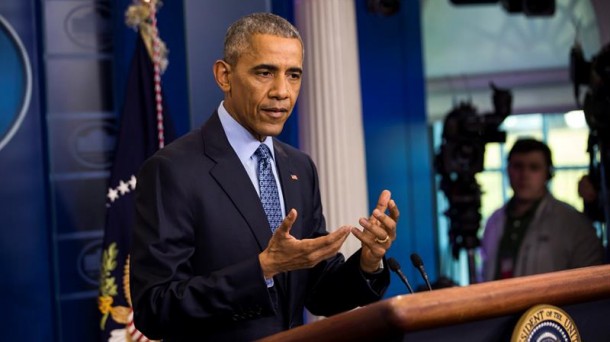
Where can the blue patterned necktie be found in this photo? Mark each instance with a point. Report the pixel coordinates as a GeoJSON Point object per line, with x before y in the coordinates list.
{"type": "Point", "coordinates": [268, 187]}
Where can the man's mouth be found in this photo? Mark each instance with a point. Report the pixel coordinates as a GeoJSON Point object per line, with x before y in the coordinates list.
{"type": "Point", "coordinates": [275, 111]}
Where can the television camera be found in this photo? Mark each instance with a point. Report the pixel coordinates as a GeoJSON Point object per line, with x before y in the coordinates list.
{"type": "Point", "coordinates": [461, 156]}
{"type": "Point", "coordinates": [595, 75]}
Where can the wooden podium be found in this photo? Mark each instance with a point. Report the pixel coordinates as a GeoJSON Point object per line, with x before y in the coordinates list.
{"type": "Point", "coordinates": [480, 312]}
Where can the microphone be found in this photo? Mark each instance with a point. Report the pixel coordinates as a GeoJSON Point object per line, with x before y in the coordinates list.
{"type": "Point", "coordinates": [395, 267]}
{"type": "Point", "coordinates": [419, 264]}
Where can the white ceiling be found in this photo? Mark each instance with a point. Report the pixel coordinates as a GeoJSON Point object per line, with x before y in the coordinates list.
{"type": "Point", "coordinates": [466, 47]}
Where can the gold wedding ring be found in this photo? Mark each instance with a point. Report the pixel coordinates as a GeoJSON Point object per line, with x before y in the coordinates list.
{"type": "Point", "coordinates": [387, 237]}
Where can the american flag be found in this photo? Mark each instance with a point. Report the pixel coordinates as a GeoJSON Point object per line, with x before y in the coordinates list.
{"type": "Point", "coordinates": [143, 124]}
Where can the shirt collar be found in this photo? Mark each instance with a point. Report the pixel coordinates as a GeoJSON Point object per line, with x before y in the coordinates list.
{"type": "Point", "coordinates": [242, 141]}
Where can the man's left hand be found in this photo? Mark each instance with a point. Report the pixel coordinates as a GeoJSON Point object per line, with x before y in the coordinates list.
{"type": "Point", "coordinates": [379, 231]}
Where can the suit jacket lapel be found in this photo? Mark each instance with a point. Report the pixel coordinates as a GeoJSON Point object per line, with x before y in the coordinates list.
{"type": "Point", "coordinates": [232, 177]}
{"type": "Point", "coordinates": [290, 187]}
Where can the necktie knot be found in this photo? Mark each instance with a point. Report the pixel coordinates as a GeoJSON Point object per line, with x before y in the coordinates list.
{"type": "Point", "coordinates": [263, 152]}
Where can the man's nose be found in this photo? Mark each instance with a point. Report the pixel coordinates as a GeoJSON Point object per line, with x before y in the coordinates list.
{"type": "Point", "coordinates": [280, 88]}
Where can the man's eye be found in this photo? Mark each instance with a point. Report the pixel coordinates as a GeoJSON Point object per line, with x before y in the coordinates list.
{"type": "Point", "coordinates": [295, 76]}
{"type": "Point", "coordinates": [264, 73]}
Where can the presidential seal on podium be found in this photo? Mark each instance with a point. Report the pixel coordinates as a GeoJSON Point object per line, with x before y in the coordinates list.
{"type": "Point", "coordinates": [545, 323]}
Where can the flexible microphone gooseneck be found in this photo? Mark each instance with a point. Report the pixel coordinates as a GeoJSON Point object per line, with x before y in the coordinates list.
{"type": "Point", "coordinates": [395, 267]}
{"type": "Point", "coordinates": [419, 264]}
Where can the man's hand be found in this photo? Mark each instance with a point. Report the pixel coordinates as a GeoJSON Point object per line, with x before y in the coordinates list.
{"type": "Point", "coordinates": [285, 253]}
{"type": "Point", "coordinates": [379, 232]}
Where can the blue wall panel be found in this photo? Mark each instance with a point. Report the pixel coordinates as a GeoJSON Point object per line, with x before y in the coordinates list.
{"type": "Point", "coordinates": [206, 25]}
{"type": "Point", "coordinates": [396, 136]}
{"type": "Point", "coordinates": [26, 288]}
{"type": "Point", "coordinates": [78, 61]}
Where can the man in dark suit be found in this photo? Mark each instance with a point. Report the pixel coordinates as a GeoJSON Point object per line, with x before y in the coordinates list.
{"type": "Point", "coordinates": [211, 258]}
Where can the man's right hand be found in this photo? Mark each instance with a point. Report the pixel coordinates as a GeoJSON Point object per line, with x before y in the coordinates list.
{"type": "Point", "coordinates": [286, 253]}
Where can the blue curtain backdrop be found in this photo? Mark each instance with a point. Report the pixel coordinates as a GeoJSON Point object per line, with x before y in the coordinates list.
{"type": "Point", "coordinates": [397, 143]}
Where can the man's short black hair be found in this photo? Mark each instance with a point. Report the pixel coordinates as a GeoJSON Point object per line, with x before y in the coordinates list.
{"type": "Point", "coordinates": [527, 145]}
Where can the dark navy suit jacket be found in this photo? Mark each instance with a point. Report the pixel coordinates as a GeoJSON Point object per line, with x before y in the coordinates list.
{"type": "Point", "coordinates": [195, 272]}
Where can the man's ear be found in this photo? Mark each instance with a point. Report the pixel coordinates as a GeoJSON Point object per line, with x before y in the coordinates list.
{"type": "Point", "coordinates": [222, 70]}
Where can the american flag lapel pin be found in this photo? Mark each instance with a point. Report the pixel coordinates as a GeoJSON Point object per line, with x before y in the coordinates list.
{"type": "Point", "coordinates": [294, 177]}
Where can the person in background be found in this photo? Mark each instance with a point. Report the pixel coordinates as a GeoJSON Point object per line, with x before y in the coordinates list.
{"type": "Point", "coordinates": [594, 203]}
{"type": "Point", "coordinates": [534, 232]}
{"type": "Point", "coordinates": [589, 191]}
{"type": "Point", "coordinates": [230, 242]}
